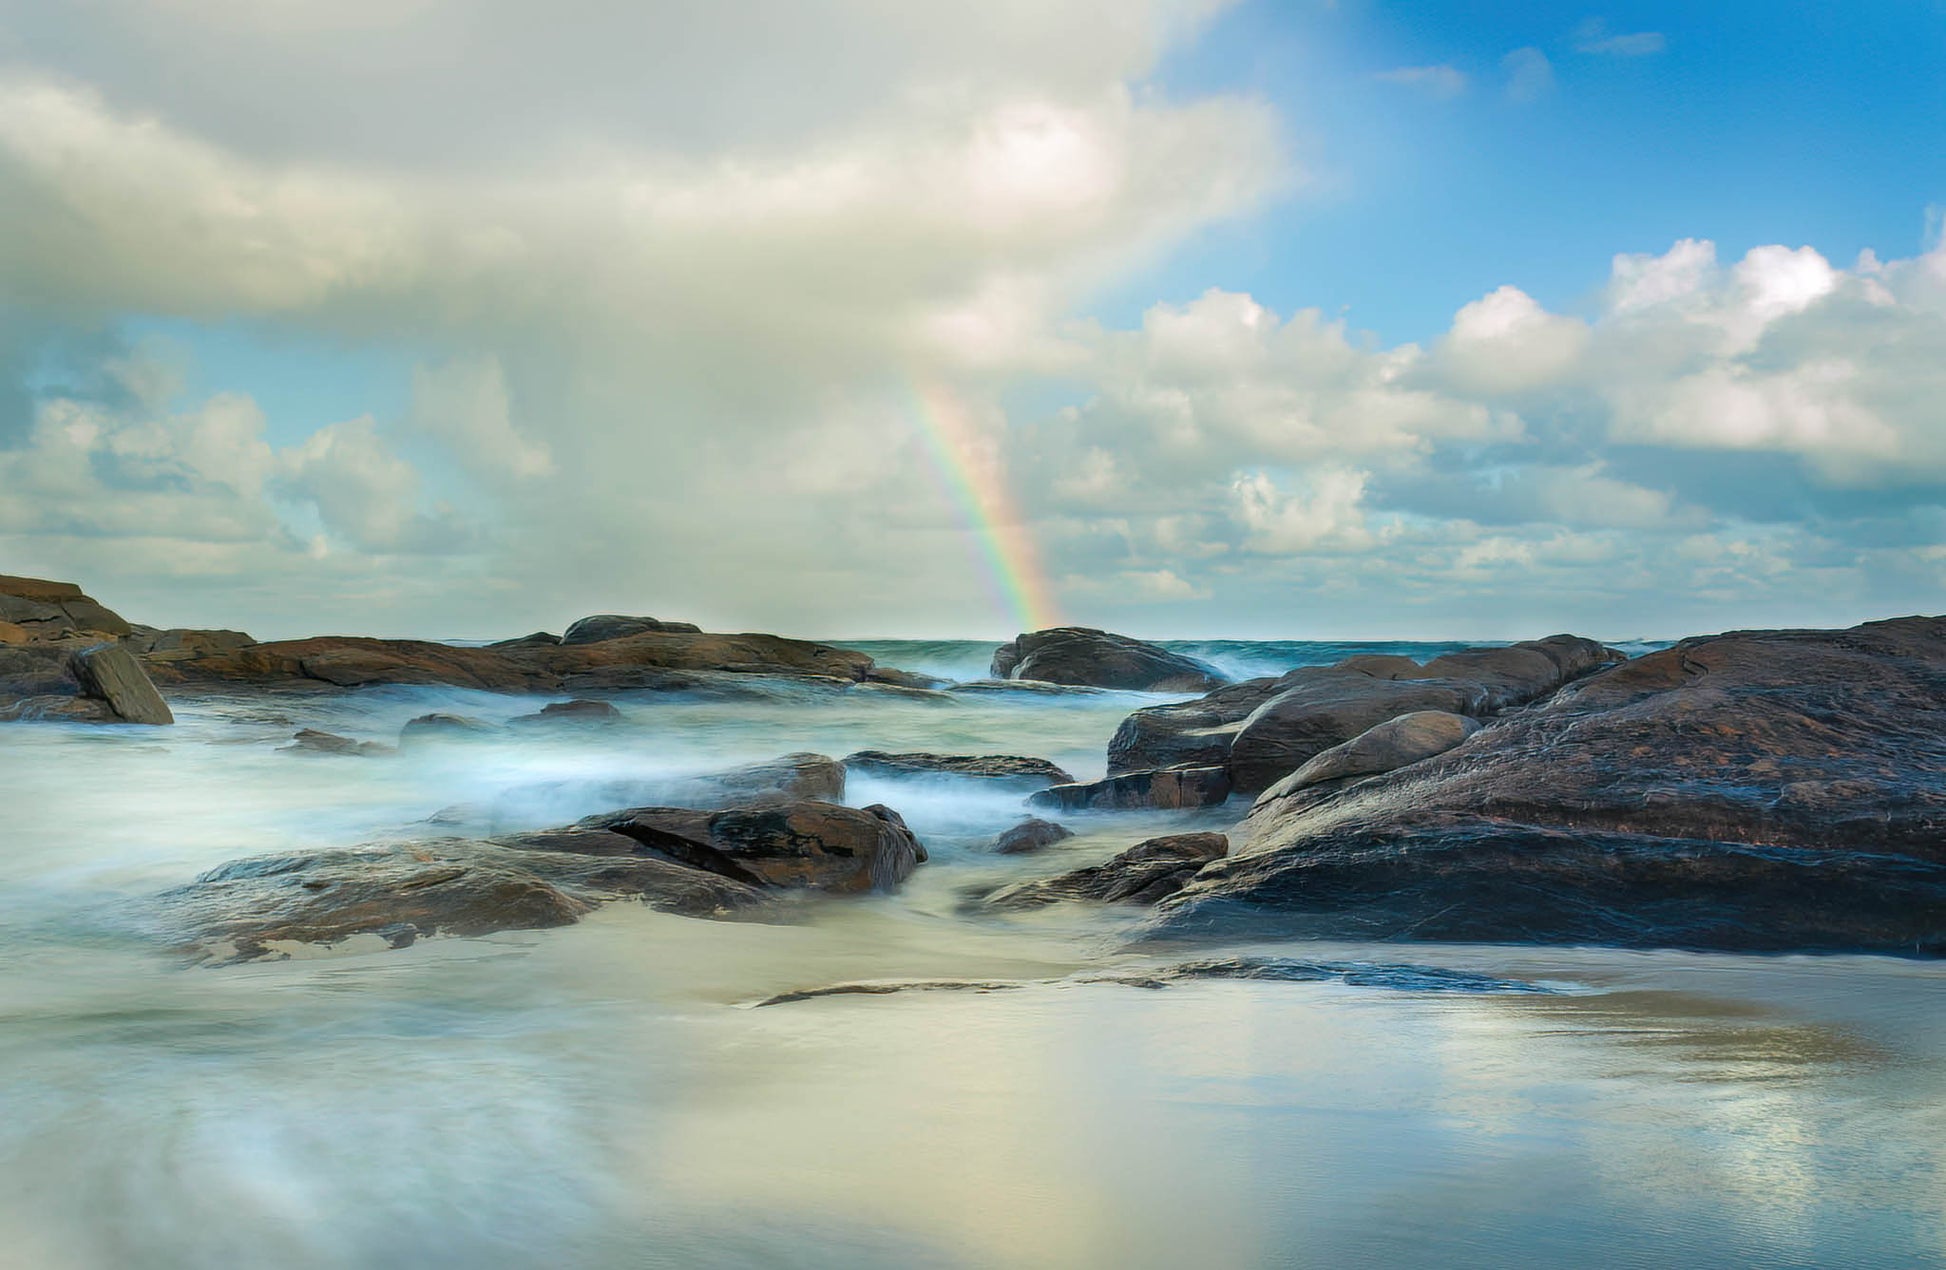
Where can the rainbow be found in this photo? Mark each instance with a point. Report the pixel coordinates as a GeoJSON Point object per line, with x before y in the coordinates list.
{"type": "Point", "coordinates": [971, 476]}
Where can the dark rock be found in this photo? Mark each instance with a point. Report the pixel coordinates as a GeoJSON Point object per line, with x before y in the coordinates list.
{"type": "Point", "coordinates": [814, 845]}
{"type": "Point", "coordinates": [54, 708]}
{"type": "Point", "coordinates": [606, 626]}
{"type": "Point", "coordinates": [1091, 658]}
{"type": "Point", "coordinates": [1143, 874]}
{"type": "Point", "coordinates": [1758, 790]}
{"type": "Point", "coordinates": [109, 673]}
{"type": "Point", "coordinates": [578, 711]}
{"type": "Point", "coordinates": [1031, 834]}
{"type": "Point", "coordinates": [312, 741]}
{"type": "Point", "coordinates": [180, 644]}
{"type": "Point", "coordinates": [1169, 787]}
{"type": "Point", "coordinates": [539, 639]}
{"type": "Point", "coordinates": [1034, 773]}
{"type": "Point", "coordinates": [438, 726]}
{"type": "Point", "coordinates": [1387, 747]}
{"type": "Point", "coordinates": [1302, 722]}
{"type": "Point", "coordinates": [1293, 717]}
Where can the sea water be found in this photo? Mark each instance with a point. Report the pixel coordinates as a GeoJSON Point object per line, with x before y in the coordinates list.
{"type": "Point", "coordinates": [610, 1094]}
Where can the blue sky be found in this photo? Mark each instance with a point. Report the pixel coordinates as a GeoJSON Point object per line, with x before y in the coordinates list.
{"type": "Point", "coordinates": [1290, 319]}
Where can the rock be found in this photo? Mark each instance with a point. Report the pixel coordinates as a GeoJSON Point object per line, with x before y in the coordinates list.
{"type": "Point", "coordinates": [539, 639]}
{"type": "Point", "coordinates": [804, 844]}
{"type": "Point", "coordinates": [346, 661]}
{"type": "Point", "coordinates": [1034, 773]}
{"type": "Point", "coordinates": [1031, 834]}
{"type": "Point", "coordinates": [179, 644]}
{"type": "Point", "coordinates": [13, 634]}
{"type": "Point", "coordinates": [1387, 747]}
{"type": "Point", "coordinates": [794, 776]}
{"type": "Point", "coordinates": [53, 708]}
{"type": "Point", "coordinates": [904, 679]}
{"type": "Point", "coordinates": [578, 711]}
{"type": "Point", "coordinates": [1031, 687]}
{"type": "Point", "coordinates": [439, 726]}
{"type": "Point", "coordinates": [1759, 790]}
{"type": "Point", "coordinates": [1293, 717]}
{"type": "Point", "coordinates": [605, 626]}
{"type": "Point", "coordinates": [55, 610]}
{"type": "Point", "coordinates": [617, 663]}
{"type": "Point", "coordinates": [1166, 788]}
{"type": "Point", "coordinates": [1092, 658]}
{"type": "Point", "coordinates": [312, 741]}
{"type": "Point", "coordinates": [109, 673]}
{"type": "Point", "coordinates": [1143, 874]}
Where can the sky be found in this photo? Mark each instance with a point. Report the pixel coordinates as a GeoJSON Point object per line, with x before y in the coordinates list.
{"type": "Point", "coordinates": [1264, 319]}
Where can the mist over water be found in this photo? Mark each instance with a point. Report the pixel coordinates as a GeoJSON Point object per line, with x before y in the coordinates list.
{"type": "Point", "coordinates": [603, 1095]}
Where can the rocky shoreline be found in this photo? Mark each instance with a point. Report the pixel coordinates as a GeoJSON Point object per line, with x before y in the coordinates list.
{"type": "Point", "coordinates": [1755, 791]}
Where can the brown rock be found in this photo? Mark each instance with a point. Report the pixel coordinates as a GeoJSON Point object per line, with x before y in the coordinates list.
{"type": "Point", "coordinates": [1031, 834]}
{"type": "Point", "coordinates": [1010, 769]}
{"type": "Point", "coordinates": [605, 626]}
{"type": "Point", "coordinates": [1388, 746]}
{"type": "Point", "coordinates": [813, 845]}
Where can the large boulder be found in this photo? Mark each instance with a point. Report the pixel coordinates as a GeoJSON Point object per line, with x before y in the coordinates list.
{"type": "Point", "coordinates": [1387, 747]}
{"type": "Point", "coordinates": [1144, 874]}
{"type": "Point", "coordinates": [108, 673]}
{"type": "Point", "coordinates": [1297, 725]}
{"type": "Point", "coordinates": [1757, 790]}
{"type": "Point", "coordinates": [1031, 834]}
{"type": "Point", "coordinates": [1007, 769]}
{"type": "Point", "coordinates": [602, 626]}
{"type": "Point", "coordinates": [1092, 658]}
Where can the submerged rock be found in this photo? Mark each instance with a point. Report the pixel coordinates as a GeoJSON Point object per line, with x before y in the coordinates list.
{"type": "Point", "coordinates": [1757, 790]}
{"type": "Point", "coordinates": [579, 711]}
{"type": "Point", "coordinates": [1167, 789]}
{"type": "Point", "coordinates": [312, 741]}
{"type": "Point", "coordinates": [1143, 874]}
{"type": "Point", "coordinates": [1084, 656]}
{"type": "Point", "coordinates": [1031, 834]}
{"type": "Point", "coordinates": [1021, 687]}
{"type": "Point", "coordinates": [1010, 769]}
{"type": "Point", "coordinates": [797, 776]}
{"type": "Point", "coordinates": [440, 726]}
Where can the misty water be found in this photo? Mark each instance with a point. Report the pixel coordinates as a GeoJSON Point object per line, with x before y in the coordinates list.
{"type": "Point", "coordinates": [606, 1094]}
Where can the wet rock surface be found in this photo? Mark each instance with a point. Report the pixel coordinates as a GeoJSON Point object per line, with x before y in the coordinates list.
{"type": "Point", "coordinates": [603, 626]}
{"type": "Point", "coordinates": [1357, 974]}
{"type": "Point", "coordinates": [314, 741]}
{"type": "Point", "coordinates": [1031, 834]}
{"type": "Point", "coordinates": [1757, 790]}
{"type": "Point", "coordinates": [579, 712]}
{"type": "Point", "coordinates": [1010, 769]}
{"type": "Point", "coordinates": [783, 843]}
{"type": "Point", "coordinates": [1144, 874]}
{"type": "Point", "coordinates": [1083, 656]}
{"type": "Point", "coordinates": [1165, 790]}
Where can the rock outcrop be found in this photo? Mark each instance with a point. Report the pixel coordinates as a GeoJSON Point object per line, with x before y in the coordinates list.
{"type": "Point", "coordinates": [47, 610]}
{"type": "Point", "coordinates": [1757, 790]}
{"type": "Point", "coordinates": [721, 864]}
{"type": "Point", "coordinates": [1082, 656]}
{"type": "Point", "coordinates": [1384, 748]}
{"type": "Point", "coordinates": [1144, 874]}
{"type": "Point", "coordinates": [1008, 769]}
{"type": "Point", "coordinates": [1264, 729]}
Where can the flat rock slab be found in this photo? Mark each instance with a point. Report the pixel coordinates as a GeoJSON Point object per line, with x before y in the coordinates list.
{"type": "Point", "coordinates": [111, 674]}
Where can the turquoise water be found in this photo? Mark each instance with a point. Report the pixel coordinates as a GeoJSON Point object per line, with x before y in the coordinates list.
{"type": "Point", "coordinates": [605, 1095]}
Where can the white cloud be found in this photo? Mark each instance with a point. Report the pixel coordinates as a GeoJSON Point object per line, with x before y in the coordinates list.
{"type": "Point", "coordinates": [1530, 76]}
{"type": "Point", "coordinates": [1593, 36]}
{"type": "Point", "coordinates": [1443, 82]}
